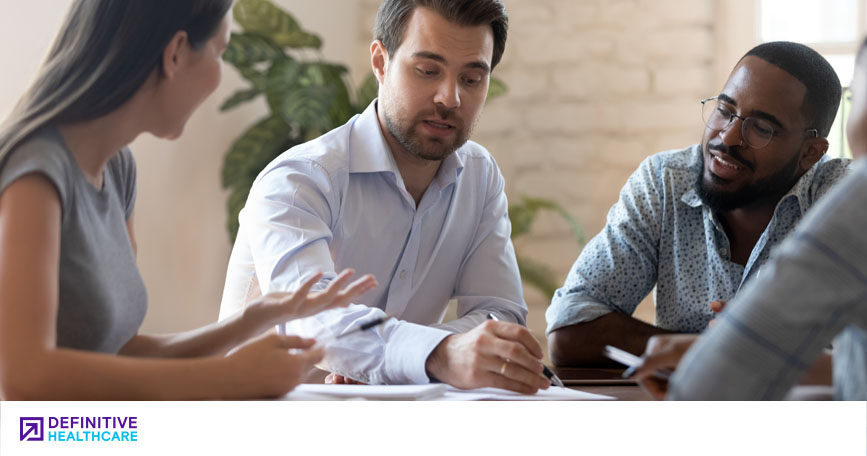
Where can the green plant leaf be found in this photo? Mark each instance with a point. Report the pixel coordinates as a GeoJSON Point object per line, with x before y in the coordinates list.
{"type": "Point", "coordinates": [241, 96]}
{"type": "Point", "coordinates": [236, 201]}
{"type": "Point", "coordinates": [496, 89]}
{"type": "Point", "coordinates": [247, 49]}
{"type": "Point", "coordinates": [263, 17]}
{"type": "Point", "coordinates": [279, 79]}
{"type": "Point", "coordinates": [308, 107]}
{"type": "Point", "coordinates": [256, 77]}
{"type": "Point", "coordinates": [538, 276]}
{"type": "Point", "coordinates": [367, 92]}
{"type": "Point", "coordinates": [523, 214]}
{"type": "Point", "coordinates": [341, 108]}
{"type": "Point", "coordinates": [253, 150]}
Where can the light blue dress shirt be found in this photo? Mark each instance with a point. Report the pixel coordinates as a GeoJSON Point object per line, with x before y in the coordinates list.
{"type": "Point", "coordinates": [660, 233]}
{"type": "Point", "coordinates": [339, 202]}
{"type": "Point", "coordinates": [813, 290]}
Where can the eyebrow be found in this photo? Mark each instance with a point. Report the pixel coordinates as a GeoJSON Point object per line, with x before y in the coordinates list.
{"type": "Point", "coordinates": [755, 113]}
{"type": "Point", "coordinates": [438, 58]}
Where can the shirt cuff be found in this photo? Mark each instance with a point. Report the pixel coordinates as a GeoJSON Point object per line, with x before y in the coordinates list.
{"type": "Point", "coordinates": [566, 312]}
{"type": "Point", "coordinates": [407, 351]}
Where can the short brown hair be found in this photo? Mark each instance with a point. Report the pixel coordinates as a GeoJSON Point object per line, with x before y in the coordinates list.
{"type": "Point", "coordinates": [393, 15]}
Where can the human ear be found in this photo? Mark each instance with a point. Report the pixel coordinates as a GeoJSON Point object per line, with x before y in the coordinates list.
{"type": "Point", "coordinates": [379, 60]}
{"type": "Point", "coordinates": [813, 150]}
{"type": "Point", "coordinates": [174, 54]}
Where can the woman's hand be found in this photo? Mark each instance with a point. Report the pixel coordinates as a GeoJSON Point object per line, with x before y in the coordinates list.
{"type": "Point", "coordinates": [270, 366]}
{"type": "Point", "coordinates": [277, 308]}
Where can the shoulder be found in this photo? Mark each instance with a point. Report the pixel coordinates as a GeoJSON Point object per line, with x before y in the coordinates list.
{"type": "Point", "coordinates": [43, 153]}
{"type": "Point", "coordinates": [671, 171]}
{"type": "Point", "coordinates": [478, 162]}
{"type": "Point", "coordinates": [825, 174]}
{"type": "Point", "coordinates": [324, 157]}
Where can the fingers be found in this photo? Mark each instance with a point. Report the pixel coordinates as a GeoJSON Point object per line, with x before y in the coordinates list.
{"type": "Point", "coordinates": [517, 333]}
{"type": "Point", "coordinates": [330, 378]}
{"type": "Point", "coordinates": [656, 387]}
{"type": "Point", "coordinates": [502, 349]}
{"type": "Point", "coordinates": [717, 306]}
{"type": "Point", "coordinates": [515, 373]}
{"type": "Point", "coordinates": [355, 289]}
{"type": "Point", "coordinates": [311, 356]}
{"type": "Point", "coordinates": [287, 341]}
{"type": "Point", "coordinates": [305, 287]}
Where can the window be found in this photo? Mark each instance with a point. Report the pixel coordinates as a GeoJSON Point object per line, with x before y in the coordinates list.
{"type": "Point", "coordinates": [834, 28]}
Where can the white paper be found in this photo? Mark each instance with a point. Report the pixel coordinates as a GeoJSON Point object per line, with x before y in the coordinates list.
{"type": "Point", "coordinates": [553, 393]}
{"type": "Point", "coordinates": [311, 391]}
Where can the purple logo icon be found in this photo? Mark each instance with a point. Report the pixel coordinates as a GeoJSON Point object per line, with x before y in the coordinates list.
{"type": "Point", "coordinates": [31, 428]}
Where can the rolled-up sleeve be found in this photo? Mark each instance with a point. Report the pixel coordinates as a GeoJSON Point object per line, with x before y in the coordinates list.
{"type": "Point", "coordinates": [618, 267]}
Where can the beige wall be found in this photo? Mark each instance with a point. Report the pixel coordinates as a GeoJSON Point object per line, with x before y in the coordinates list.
{"type": "Point", "coordinates": [595, 86]}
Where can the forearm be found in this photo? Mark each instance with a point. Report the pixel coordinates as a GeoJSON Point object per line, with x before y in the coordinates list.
{"type": "Point", "coordinates": [583, 344]}
{"type": "Point", "coordinates": [63, 374]}
{"type": "Point", "coordinates": [214, 339]}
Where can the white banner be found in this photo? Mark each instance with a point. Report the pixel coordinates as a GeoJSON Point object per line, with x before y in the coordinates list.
{"type": "Point", "coordinates": [448, 428]}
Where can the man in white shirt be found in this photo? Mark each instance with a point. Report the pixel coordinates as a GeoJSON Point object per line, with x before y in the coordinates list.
{"type": "Point", "coordinates": [399, 192]}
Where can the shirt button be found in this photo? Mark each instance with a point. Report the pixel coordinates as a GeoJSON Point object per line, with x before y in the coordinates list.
{"type": "Point", "coordinates": [723, 251]}
{"type": "Point", "coordinates": [403, 275]}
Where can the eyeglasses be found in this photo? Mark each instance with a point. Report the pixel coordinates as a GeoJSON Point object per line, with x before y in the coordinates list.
{"type": "Point", "coordinates": [756, 132]}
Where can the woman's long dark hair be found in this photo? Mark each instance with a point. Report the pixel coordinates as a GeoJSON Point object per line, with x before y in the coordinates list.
{"type": "Point", "coordinates": [104, 53]}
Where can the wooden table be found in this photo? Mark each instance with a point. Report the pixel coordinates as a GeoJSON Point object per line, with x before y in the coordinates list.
{"type": "Point", "coordinates": [605, 381]}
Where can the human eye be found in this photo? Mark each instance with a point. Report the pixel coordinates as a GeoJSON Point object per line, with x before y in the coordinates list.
{"type": "Point", "coordinates": [426, 72]}
{"type": "Point", "coordinates": [473, 79]}
{"type": "Point", "coordinates": [763, 128]}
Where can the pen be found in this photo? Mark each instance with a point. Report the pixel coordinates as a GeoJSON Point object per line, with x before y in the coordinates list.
{"type": "Point", "coordinates": [372, 323]}
{"type": "Point", "coordinates": [366, 325]}
{"type": "Point", "coordinates": [555, 380]}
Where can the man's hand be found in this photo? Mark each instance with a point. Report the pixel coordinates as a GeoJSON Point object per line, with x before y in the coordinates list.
{"type": "Point", "coordinates": [716, 307]}
{"type": "Point", "coordinates": [663, 353]}
{"type": "Point", "coordinates": [498, 354]}
{"type": "Point", "coordinates": [335, 379]}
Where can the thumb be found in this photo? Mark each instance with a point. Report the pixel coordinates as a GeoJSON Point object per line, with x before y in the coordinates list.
{"type": "Point", "coordinates": [717, 306]}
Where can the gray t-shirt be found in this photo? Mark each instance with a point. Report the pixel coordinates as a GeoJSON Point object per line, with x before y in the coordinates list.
{"type": "Point", "coordinates": [102, 299]}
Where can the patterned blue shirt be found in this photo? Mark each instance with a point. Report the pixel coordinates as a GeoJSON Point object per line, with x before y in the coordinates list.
{"type": "Point", "coordinates": [813, 290]}
{"type": "Point", "coordinates": [660, 234]}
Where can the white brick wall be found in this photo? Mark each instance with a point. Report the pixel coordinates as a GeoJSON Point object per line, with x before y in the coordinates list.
{"type": "Point", "coordinates": [595, 86]}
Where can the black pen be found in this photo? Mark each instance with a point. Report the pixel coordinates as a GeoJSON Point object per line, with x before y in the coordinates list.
{"type": "Point", "coordinates": [372, 323]}
{"type": "Point", "coordinates": [555, 380]}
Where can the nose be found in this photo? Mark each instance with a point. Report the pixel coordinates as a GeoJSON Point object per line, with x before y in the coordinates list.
{"type": "Point", "coordinates": [447, 94]}
{"type": "Point", "coordinates": [731, 134]}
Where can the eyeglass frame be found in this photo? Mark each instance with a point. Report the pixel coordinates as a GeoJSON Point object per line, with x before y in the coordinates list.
{"type": "Point", "coordinates": [732, 115]}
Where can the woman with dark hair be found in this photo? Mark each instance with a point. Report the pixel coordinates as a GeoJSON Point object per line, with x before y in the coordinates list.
{"type": "Point", "coordinates": [71, 297]}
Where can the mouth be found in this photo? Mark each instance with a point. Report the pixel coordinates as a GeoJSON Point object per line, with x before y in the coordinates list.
{"type": "Point", "coordinates": [438, 127]}
{"type": "Point", "coordinates": [724, 166]}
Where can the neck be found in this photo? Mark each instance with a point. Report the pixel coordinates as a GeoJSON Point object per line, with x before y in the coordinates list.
{"type": "Point", "coordinates": [417, 173]}
{"type": "Point", "coordinates": [94, 142]}
{"type": "Point", "coordinates": [744, 226]}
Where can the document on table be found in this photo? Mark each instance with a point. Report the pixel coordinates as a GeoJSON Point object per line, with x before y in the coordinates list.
{"type": "Point", "coordinates": [553, 393]}
{"type": "Point", "coordinates": [435, 391]}
{"type": "Point", "coordinates": [313, 392]}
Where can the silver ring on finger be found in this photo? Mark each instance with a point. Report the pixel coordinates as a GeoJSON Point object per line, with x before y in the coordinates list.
{"type": "Point", "coordinates": [503, 367]}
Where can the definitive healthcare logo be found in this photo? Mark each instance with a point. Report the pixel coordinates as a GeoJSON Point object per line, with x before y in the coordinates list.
{"type": "Point", "coordinates": [79, 429]}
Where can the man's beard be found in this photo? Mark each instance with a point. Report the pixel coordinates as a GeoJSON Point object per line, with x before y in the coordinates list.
{"type": "Point", "coordinates": [772, 187]}
{"type": "Point", "coordinates": [434, 149]}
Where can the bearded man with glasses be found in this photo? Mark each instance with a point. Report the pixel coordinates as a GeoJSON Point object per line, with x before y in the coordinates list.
{"type": "Point", "coordinates": [697, 223]}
